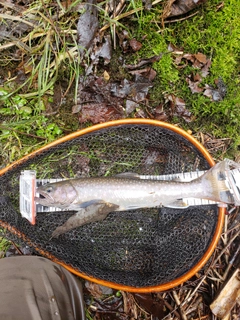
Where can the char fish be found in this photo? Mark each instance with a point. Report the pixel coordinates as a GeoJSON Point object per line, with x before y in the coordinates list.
{"type": "Point", "coordinates": [94, 198]}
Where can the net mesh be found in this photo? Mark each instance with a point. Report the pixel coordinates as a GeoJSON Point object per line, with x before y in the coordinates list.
{"type": "Point", "coordinates": [139, 248]}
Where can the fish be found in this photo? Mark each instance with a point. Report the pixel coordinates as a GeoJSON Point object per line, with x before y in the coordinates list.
{"type": "Point", "coordinates": [95, 197]}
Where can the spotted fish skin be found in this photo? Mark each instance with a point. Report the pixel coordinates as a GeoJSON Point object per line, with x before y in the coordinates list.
{"type": "Point", "coordinates": [130, 193]}
{"type": "Point", "coordinates": [94, 198]}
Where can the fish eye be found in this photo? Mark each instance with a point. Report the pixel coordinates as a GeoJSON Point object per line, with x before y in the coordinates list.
{"type": "Point", "coordinates": [49, 189]}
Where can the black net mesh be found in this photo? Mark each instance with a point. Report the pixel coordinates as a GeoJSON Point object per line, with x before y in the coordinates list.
{"type": "Point", "coordinates": [139, 248]}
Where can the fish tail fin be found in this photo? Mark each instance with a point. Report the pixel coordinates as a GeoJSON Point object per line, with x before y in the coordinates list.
{"type": "Point", "coordinates": [218, 184]}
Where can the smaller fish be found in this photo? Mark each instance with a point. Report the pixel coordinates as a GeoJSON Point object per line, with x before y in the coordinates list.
{"type": "Point", "coordinates": [92, 213]}
{"type": "Point", "coordinates": [94, 198]}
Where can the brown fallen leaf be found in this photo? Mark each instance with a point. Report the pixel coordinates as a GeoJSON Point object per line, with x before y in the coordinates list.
{"type": "Point", "coordinates": [180, 7]}
{"type": "Point", "coordinates": [194, 85]}
{"type": "Point", "coordinates": [87, 26]}
{"type": "Point", "coordinates": [205, 68]}
{"type": "Point", "coordinates": [160, 114]}
{"type": "Point", "coordinates": [148, 73]}
{"type": "Point", "coordinates": [201, 57]}
{"type": "Point", "coordinates": [198, 60]}
{"type": "Point", "coordinates": [151, 304]}
{"type": "Point", "coordinates": [135, 45]}
{"type": "Point", "coordinates": [130, 106]}
{"type": "Point", "coordinates": [178, 108]}
{"type": "Point", "coordinates": [216, 94]}
{"type": "Point", "coordinates": [96, 290]}
{"type": "Point", "coordinates": [102, 48]}
{"type": "Point", "coordinates": [143, 62]}
{"type": "Point", "coordinates": [98, 113]}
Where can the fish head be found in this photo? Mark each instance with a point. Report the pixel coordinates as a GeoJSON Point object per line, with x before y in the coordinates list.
{"type": "Point", "coordinates": [59, 194]}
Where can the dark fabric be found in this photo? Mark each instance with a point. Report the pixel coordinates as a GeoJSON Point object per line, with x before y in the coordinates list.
{"type": "Point", "coordinates": [36, 288]}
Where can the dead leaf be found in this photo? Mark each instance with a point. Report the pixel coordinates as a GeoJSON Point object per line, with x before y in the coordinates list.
{"type": "Point", "coordinates": [143, 62]}
{"type": "Point", "coordinates": [131, 106]}
{"type": "Point", "coordinates": [205, 68]}
{"type": "Point", "coordinates": [160, 114]}
{"type": "Point", "coordinates": [123, 40]}
{"type": "Point", "coordinates": [76, 108]}
{"type": "Point", "coordinates": [98, 113]}
{"type": "Point", "coordinates": [178, 108]}
{"type": "Point", "coordinates": [151, 304]}
{"type": "Point", "coordinates": [180, 7]}
{"type": "Point", "coordinates": [172, 48]}
{"type": "Point", "coordinates": [135, 45]}
{"type": "Point", "coordinates": [208, 91]}
{"type": "Point", "coordinates": [96, 290]}
{"type": "Point", "coordinates": [201, 57]}
{"type": "Point", "coordinates": [148, 73]}
{"type": "Point", "coordinates": [136, 90]}
{"type": "Point", "coordinates": [193, 85]}
{"type": "Point", "coordinates": [106, 75]}
{"type": "Point", "coordinates": [87, 26]}
{"type": "Point", "coordinates": [198, 60]}
{"type": "Point", "coordinates": [216, 94]}
{"type": "Point", "coordinates": [102, 47]}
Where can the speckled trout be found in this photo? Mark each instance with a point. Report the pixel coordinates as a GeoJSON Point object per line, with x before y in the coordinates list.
{"type": "Point", "coordinates": [94, 198]}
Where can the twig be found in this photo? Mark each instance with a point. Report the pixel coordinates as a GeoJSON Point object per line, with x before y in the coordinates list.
{"type": "Point", "coordinates": [11, 6]}
{"type": "Point", "coordinates": [16, 18]}
{"type": "Point", "coordinates": [181, 19]}
{"type": "Point", "coordinates": [168, 306]}
{"type": "Point", "coordinates": [178, 302]}
{"type": "Point", "coordinates": [194, 306]}
{"type": "Point", "coordinates": [231, 262]}
{"type": "Point", "coordinates": [227, 246]}
{"type": "Point", "coordinates": [126, 14]}
{"type": "Point", "coordinates": [16, 247]}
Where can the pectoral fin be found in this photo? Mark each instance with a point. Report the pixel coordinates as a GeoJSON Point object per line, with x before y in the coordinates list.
{"type": "Point", "coordinates": [94, 212]}
{"type": "Point", "coordinates": [178, 204]}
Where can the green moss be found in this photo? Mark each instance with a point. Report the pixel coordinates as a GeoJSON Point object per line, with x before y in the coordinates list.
{"type": "Point", "coordinates": [214, 32]}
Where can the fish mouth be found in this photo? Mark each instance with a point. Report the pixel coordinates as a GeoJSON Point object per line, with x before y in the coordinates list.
{"type": "Point", "coordinates": [44, 198]}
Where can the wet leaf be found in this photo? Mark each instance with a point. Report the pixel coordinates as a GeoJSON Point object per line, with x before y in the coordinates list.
{"type": "Point", "coordinates": [194, 84]}
{"type": "Point", "coordinates": [198, 60]}
{"type": "Point", "coordinates": [101, 48]}
{"type": "Point", "coordinates": [178, 108]}
{"type": "Point", "coordinates": [87, 26]}
{"type": "Point", "coordinates": [160, 114]}
{"type": "Point", "coordinates": [98, 113]}
{"type": "Point", "coordinates": [180, 7]}
{"type": "Point", "coordinates": [201, 57]}
{"type": "Point", "coordinates": [130, 106]}
{"type": "Point", "coordinates": [205, 68]}
{"type": "Point", "coordinates": [151, 304]}
{"type": "Point", "coordinates": [135, 45]}
{"type": "Point", "coordinates": [216, 94]}
{"type": "Point", "coordinates": [96, 290]}
{"type": "Point", "coordinates": [143, 62]}
{"type": "Point", "coordinates": [147, 73]}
